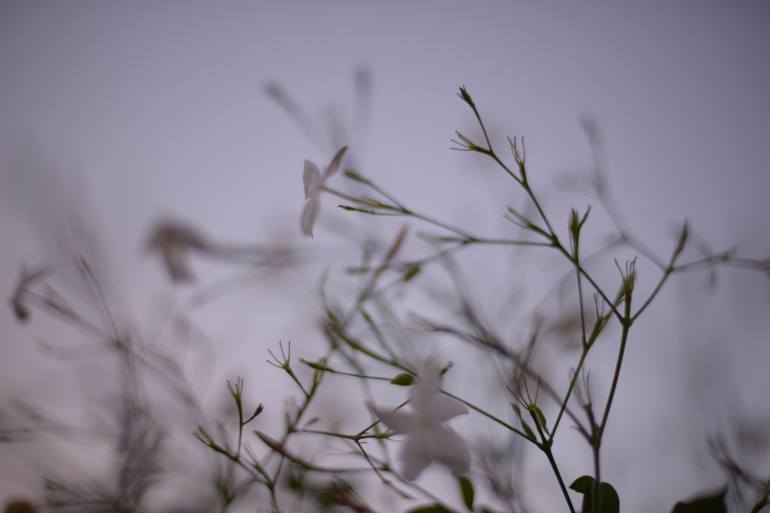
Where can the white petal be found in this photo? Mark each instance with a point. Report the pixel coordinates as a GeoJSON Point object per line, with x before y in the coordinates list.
{"type": "Point", "coordinates": [448, 448]}
{"type": "Point", "coordinates": [424, 391]}
{"type": "Point", "coordinates": [334, 165]}
{"type": "Point", "coordinates": [397, 421]}
{"type": "Point", "coordinates": [309, 215]}
{"type": "Point", "coordinates": [311, 177]}
{"type": "Point", "coordinates": [443, 408]}
{"type": "Point", "coordinates": [415, 456]}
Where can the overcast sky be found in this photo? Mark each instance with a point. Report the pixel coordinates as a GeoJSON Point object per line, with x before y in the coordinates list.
{"type": "Point", "coordinates": [122, 113]}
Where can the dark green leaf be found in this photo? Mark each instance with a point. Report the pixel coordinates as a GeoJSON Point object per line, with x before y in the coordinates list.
{"type": "Point", "coordinates": [582, 484]}
{"type": "Point", "coordinates": [411, 270]}
{"type": "Point", "coordinates": [712, 503]}
{"type": "Point", "coordinates": [434, 508]}
{"type": "Point", "coordinates": [528, 430]}
{"type": "Point", "coordinates": [540, 417]}
{"type": "Point", "coordinates": [609, 502]}
{"type": "Point", "coordinates": [403, 380]}
{"type": "Point", "coordinates": [466, 489]}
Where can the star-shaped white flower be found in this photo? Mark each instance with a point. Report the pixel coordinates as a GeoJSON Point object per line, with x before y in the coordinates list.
{"type": "Point", "coordinates": [428, 437]}
{"type": "Point", "coordinates": [315, 183]}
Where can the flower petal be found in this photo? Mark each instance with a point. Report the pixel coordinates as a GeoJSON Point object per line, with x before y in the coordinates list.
{"type": "Point", "coordinates": [397, 421]}
{"type": "Point", "coordinates": [415, 455]}
{"type": "Point", "coordinates": [443, 408]}
{"type": "Point", "coordinates": [309, 215]}
{"type": "Point", "coordinates": [311, 177]}
{"type": "Point", "coordinates": [334, 165]}
{"type": "Point", "coordinates": [448, 448]}
{"type": "Point", "coordinates": [424, 391]}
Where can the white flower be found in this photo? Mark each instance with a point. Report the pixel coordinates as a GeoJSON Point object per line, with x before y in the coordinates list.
{"type": "Point", "coordinates": [315, 183]}
{"type": "Point", "coordinates": [428, 437]}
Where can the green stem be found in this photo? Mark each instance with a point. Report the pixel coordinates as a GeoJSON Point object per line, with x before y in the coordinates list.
{"type": "Point", "coordinates": [563, 406]}
{"type": "Point", "coordinates": [545, 446]}
{"type": "Point", "coordinates": [486, 414]}
{"type": "Point", "coordinates": [618, 364]}
{"type": "Point", "coordinates": [355, 438]}
{"type": "Point", "coordinates": [653, 294]}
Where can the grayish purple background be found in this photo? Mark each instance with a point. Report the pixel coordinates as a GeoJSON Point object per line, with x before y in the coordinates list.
{"type": "Point", "coordinates": [120, 113]}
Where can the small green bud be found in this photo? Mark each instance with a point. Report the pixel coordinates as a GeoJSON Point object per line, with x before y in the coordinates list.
{"type": "Point", "coordinates": [522, 221]}
{"type": "Point", "coordinates": [574, 222]}
{"type": "Point", "coordinates": [321, 365]}
{"type": "Point", "coordinates": [353, 175]}
{"type": "Point", "coordinates": [463, 94]}
{"type": "Point", "coordinates": [574, 228]}
{"type": "Point", "coordinates": [682, 242]}
{"type": "Point", "coordinates": [411, 270]}
{"type": "Point", "coordinates": [356, 209]}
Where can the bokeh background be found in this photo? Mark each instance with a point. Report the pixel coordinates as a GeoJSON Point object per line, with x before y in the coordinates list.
{"type": "Point", "coordinates": [116, 115]}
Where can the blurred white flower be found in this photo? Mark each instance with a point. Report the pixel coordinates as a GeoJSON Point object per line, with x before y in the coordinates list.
{"type": "Point", "coordinates": [428, 437]}
{"type": "Point", "coordinates": [315, 183]}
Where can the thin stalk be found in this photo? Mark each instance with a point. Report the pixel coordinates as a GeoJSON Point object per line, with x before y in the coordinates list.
{"type": "Point", "coordinates": [618, 364]}
{"type": "Point", "coordinates": [486, 414]}
{"type": "Point", "coordinates": [545, 446]}
{"type": "Point", "coordinates": [563, 406]}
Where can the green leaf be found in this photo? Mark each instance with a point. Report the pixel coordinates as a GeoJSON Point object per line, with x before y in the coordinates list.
{"type": "Point", "coordinates": [712, 503]}
{"type": "Point", "coordinates": [528, 430]}
{"type": "Point", "coordinates": [403, 380]}
{"type": "Point", "coordinates": [434, 508]}
{"type": "Point", "coordinates": [466, 489]}
{"type": "Point", "coordinates": [411, 270]}
{"type": "Point", "coordinates": [540, 417]}
{"type": "Point", "coordinates": [609, 502]}
{"type": "Point", "coordinates": [582, 484]}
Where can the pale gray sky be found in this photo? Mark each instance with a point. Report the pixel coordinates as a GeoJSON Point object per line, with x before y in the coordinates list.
{"type": "Point", "coordinates": [120, 113]}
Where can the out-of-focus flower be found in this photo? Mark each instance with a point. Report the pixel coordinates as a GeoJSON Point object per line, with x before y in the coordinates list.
{"type": "Point", "coordinates": [315, 183]}
{"type": "Point", "coordinates": [174, 241]}
{"type": "Point", "coordinates": [177, 241]}
{"type": "Point", "coordinates": [20, 507]}
{"type": "Point", "coordinates": [428, 437]}
{"type": "Point", "coordinates": [19, 297]}
{"type": "Point", "coordinates": [766, 266]}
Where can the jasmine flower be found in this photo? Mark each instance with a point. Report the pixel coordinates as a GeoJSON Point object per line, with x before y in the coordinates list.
{"type": "Point", "coordinates": [315, 183]}
{"type": "Point", "coordinates": [428, 438]}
